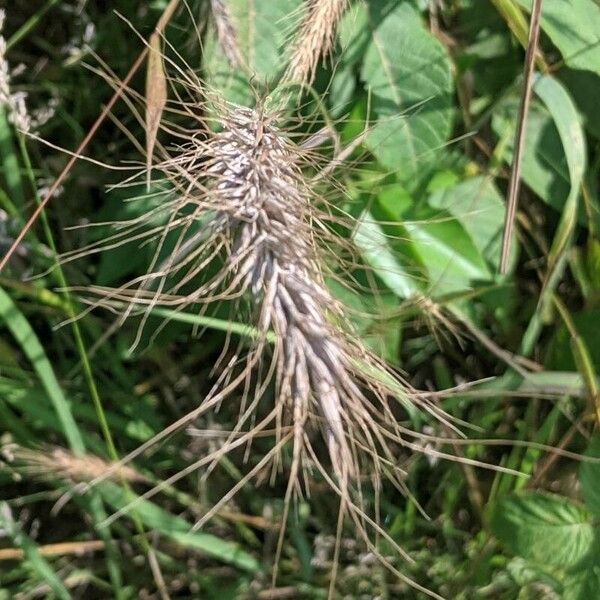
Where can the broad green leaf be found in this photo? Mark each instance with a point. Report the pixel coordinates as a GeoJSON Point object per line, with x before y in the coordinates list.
{"type": "Point", "coordinates": [440, 251]}
{"type": "Point", "coordinates": [177, 528]}
{"type": "Point", "coordinates": [555, 150]}
{"type": "Point", "coordinates": [354, 33]}
{"type": "Point", "coordinates": [545, 529]}
{"type": "Point", "coordinates": [544, 168]}
{"type": "Point", "coordinates": [584, 87]}
{"type": "Point", "coordinates": [374, 317]}
{"type": "Point", "coordinates": [478, 207]}
{"type": "Point", "coordinates": [582, 584]}
{"type": "Point", "coordinates": [451, 259]}
{"type": "Point", "coordinates": [262, 29]}
{"type": "Point", "coordinates": [341, 90]}
{"type": "Point", "coordinates": [589, 475]}
{"type": "Point", "coordinates": [568, 123]}
{"type": "Point", "coordinates": [376, 250]}
{"type": "Point", "coordinates": [352, 38]}
{"type": "Point", "coordinates": [408, 72]}
{"type": "Point", "coordinates": [574, 28]}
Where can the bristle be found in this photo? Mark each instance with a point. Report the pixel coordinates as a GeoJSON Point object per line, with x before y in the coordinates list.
{"type": "Point", "coordinates": [314, 39]}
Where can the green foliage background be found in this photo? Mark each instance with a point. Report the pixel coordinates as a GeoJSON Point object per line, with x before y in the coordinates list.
{"type": "Point", "coordinates": [437, 85]}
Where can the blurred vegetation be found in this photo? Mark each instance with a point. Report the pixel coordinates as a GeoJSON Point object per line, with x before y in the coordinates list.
{"type": "Point", "coordinates": [438, 83]}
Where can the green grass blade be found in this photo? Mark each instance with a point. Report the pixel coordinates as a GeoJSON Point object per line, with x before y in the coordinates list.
{"type": "Point", "coordinates": [29, 343]}
{"type": "Point", "coordinates": [36, 561]}
{"type": "Point", "coordinates": [10, 164]}
{"type": "Point", "coordinates": [177, 528]}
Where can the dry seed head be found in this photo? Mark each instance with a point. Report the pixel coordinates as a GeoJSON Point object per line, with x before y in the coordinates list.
{"type": "Point", "coordinates": [226, 34]}
{"type": "Point", "coordinates": [55, 462]}
{"type": "Point", "coordinates": [243, 200]}
{"type": "Point", "coordinates": [273, 257]}
{"type": "Point", "coordinates": [244, 222]}
{"type": "Point", "coordinates": [314, 39]}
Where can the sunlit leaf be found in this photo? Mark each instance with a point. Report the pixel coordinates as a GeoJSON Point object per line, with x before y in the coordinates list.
{"type": "Point", "coordinates": [408, 72]}
{"type": "Point", "coordinates": [574, 27]}
{"type": "Point", "coordinates": [546, 529]}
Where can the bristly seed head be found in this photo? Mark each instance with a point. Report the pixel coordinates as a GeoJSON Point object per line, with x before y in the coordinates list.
{"type": "Point", "coordinates": [243, 200]}
{"type": "Point", "coordinates": [273, 257]}
{"type": "Point", "coordinates": [314, 39]}
{"type": "Point", "coordinates": [59, 463]}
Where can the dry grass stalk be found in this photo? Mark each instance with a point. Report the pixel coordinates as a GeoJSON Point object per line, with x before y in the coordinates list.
{"type": "Point", "coordinates": [60, 549]}
{"type": "Point", "coordinates": [156, 97]}
{"type": "Point", "coordinates": [314, 39]}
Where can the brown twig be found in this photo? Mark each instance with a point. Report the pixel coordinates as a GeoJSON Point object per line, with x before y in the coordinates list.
{"type": "Point", "coordinates": [60, 549]}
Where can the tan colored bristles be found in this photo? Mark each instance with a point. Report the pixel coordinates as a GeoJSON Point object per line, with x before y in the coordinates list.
{"type": "Point", "coordinates": [246, 188]}
{"type": "Point", "coordinates": [245, 219]}
{"type": "Point", "coordinates": [56, 462]}
{"type": "Point", "coordinates": [226, 34]}
{"type": "Point", "coordinates": [314, 39]}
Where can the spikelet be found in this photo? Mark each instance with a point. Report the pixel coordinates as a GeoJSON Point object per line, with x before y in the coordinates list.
{"type": "Point", "coordinates": [56, 462]}
{"type": "Point", "coordinates": [314, 39]}
{"type": "Point", "coordinates": [226, 34]}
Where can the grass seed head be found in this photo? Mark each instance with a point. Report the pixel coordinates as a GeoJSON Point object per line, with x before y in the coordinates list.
{"type": "Point", "coordinates": [56, 462]}
{"type": "Point", "coordinates": [226, 34]}
{"type": "Point", "coordinates": [314, 39]}
{"type": "Point", "coordinates": [242, 200]}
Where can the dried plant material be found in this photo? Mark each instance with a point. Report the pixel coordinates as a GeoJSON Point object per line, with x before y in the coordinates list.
{"type": "Point", "coordinates": [156, 98]}
{"type": "Point", "coordinates": [59, 463]}
{"type": "Point", "coordinates": [242, 201]}
{"type": "Point", "coordinates": [241, 218]}
{"type": "Point", "coordinates": [515, 173]}
{"type": "Point", "coordinates": [226, 34]}
{"type": "Point", "coordinates": [156, 85]}
{"type": "Point", "coordinates": [314, 39]}
{"type": "Point", "coordinates": [60, 549]}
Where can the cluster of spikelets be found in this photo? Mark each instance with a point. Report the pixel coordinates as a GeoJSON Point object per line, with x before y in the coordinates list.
{"type": "Point", "coordinates": [262, 222]}
{"type": "Point", "coordinates": [241, 198]}
{"type": "Point", "coordinates": [56, 462]}
{"type": "Point", "coordinates": [243, 201]}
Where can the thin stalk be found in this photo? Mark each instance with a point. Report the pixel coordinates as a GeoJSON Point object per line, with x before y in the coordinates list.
{"type": "Point", "coordinates": [515, 175]}
{"type": "Point", "coordinates": [112, 555]}
{"type": "Point", "coordinates": [82, 146]}
{"type": "Point", "coordinates": [30, 24]}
